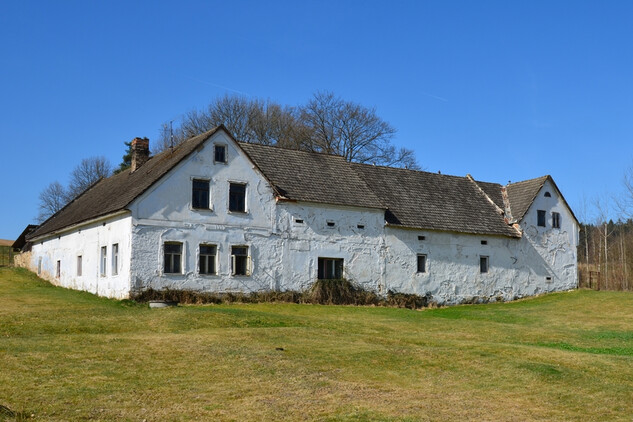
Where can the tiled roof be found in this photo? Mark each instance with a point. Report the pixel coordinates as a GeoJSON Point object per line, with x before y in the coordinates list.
{"type": "Point", "coordinates": [116, 192]}
{"type": "Point", "coordinates": [522, 194]}
{"type": "Point", "coordinates": [312, 177]}
{"type": "Point", "coordinates": [412, 199]}
{"type": "Point", "coordinates": [419, 199]}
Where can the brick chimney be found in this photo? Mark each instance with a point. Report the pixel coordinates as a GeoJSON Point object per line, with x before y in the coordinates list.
{"type": "Point", "coordinates": [140, 153]}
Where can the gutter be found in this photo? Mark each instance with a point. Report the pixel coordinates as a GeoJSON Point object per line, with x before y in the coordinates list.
{"type": "Point", "coordinates": [78, 225]}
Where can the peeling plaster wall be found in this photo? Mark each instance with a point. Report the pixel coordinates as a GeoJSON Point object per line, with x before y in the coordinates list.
{"type": "Point", "coordinates": [87, 242]}
{"type": "Point", "coordinates": [164, 214]}
{"type": "Point", "coordinates": [517, 267]}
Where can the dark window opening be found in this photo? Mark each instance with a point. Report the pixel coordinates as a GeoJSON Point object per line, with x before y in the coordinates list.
{"type": "Point", "coordinates": [207, 259]}
{"type": "Point", "coordinates": [237, 197]}
{"type": "Point", "coordinates": [484, 242]}
{"type": "Point", "coordinates": [239, 260]}
{"type": "Point", "coordinates": [200, 194]}
{"type": "Point", "coordinates": [298, 221]}
{"type": "Point", "coordinates": [330, 224]}
{"type": "Point", "coordinates": [548, 195]}
{"type": "Point", "coordinates": [541, 218]}
{"type": "Point", "coordinates": [483, 264]}
{"type": "Point", "coordinates": [421, 237]}
{"type": "Point", "coordinates": [330, 268]}
{"type": "Point", "coordinates": [556, 220]}
{"type": "Point", "coordinates": [219, 153]}
{"type": "Point", "coordinates": [421, 263]}
{"type": "Point", "coordinates": [361, 226]}
{"type": "Point", "coordinates": [173, 258]}
{"type": "Point", "coordinates": [548, 278]}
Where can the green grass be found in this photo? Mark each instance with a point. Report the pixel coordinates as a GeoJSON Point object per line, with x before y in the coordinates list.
{"type": "Point", "coordinates": [67, 355]}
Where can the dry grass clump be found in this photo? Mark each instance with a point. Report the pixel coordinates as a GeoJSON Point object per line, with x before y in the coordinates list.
{"type": "Point", "coordinates": [322, 292]}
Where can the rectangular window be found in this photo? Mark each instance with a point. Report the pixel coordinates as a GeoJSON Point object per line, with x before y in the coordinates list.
{"type": "Point", "coordinates": [483, 264]}
{"type": "Point", "coordinates": [330, 268]}
{"type": "Point", "coordinates": [172, 258]}
{"type": "Point", "coordinates": [200, 194]}
{"type": "Point", "coordinates": [115, 259]}
{"type": "Point", "coordinates": [237, 197]}
{"type": "Point", "coordinates": [39, 265]}
{"type": "Point", "coordinates": [540, 218]}
{"type": "Point", "coordinates": [103, 261]}
{"type": "Point", "coordinates": [207, 259]}
{"type": "Point", "coordinates": [219, 153]}
{"type": "Point", "coordinates": [421, 263]}
{"type": "Point", "coordinates": [58, 272]}
{"type": "Point", "coordinates": [240, 260]}
{"type": "Point", "coordinates": [79, 266]}
{"type": "Point", "coordinates": [556, 220]}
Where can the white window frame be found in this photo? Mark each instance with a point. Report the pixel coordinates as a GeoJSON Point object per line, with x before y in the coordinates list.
{"type": "Point", "coordinates": [115, 259]}
{"type": "Point", "coordinates": [201, 179]}
{"type": "Point", "coordinates": [215, 259]}
{"type": "Point", "coordinates": [249, 261]}
{"type": "Point", "coordinates": [103, 262]}
{"type": "Point", "coordinates": [228, 205]}
{"type": "Point", "coordinates": [182, 249]}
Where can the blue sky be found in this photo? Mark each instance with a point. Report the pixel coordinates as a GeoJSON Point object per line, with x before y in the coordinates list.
{"type": "Point", "coordinates": [501, 90]}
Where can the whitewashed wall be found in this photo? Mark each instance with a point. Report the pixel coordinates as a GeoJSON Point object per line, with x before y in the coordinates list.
{"type": "Point", "coordinates": [543, 260]}
{"type": "Point", "coordinates": [164, 214]}
{"type": "Point", "coordinates": [87, 242]}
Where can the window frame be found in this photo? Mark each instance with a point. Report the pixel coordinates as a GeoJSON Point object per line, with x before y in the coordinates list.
{"type": "Point", "coordinates": [424, 269]}
{"type": "Point", "coordinates": [58, 269]}
{"type": "Point", "coordinates": [484, 264]}
{"type": "Point", "coordinates": [215, 154]}
{"type": "Point", "coordinates": [171, 261]}
{"type": "Point", "coordinates": [80, 265]}
{"type": "Point", "coordinates": [115, 259]}
{"type": "Point", "coordinates": [541, 217]}
{"type": "Point", "coordinates": [338, 268]}
{"type": "Point", "coordinates": [207, 256]}
{"type": "Point", "coordinates": [244, 209]}
{"type": "Point", "coordinates": [103, 261]}
{"type": "Point", "coordinates": [196, 204]}
{"type": "Point", "coordinates": [556, 220]}
{"type": "Point", "coordinates": [247, 261]}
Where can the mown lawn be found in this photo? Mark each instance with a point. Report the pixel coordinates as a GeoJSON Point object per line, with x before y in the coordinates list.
{"type": "Point", "coordinates": [67, 355]}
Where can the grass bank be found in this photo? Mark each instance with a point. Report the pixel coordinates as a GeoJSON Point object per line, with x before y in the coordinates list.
{"type": "Point", "coordinates": [68, 355]}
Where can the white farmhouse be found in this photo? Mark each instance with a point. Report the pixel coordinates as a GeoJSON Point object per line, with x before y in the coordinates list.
{"type": "Point", "coordinates": [217, 215]}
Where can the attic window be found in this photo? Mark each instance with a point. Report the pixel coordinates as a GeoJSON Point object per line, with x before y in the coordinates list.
{"type": "Point", "coordinates": [331, 224]}
{"type": "Point", "coordinates": [421, 237]}
{"type": "Point", "coordinates": [219, 153]}
{"type": "Point", "coordinates": [548, 195]}
{"type": "Point", "coordinates": [237, 197]}
{"type": "Point", "coordinates": [200, 194]}
{"type": "Point", "coordinates": [360, 226]}
{"type": "Point", "coordinates": [484, 242]}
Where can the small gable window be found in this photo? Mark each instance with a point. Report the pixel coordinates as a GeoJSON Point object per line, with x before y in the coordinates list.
{"type": "Point", "coordinates": [421, 263]}
{"type": "Point", "coordinates": [172, 258]}
{"type": "Point", "coordinates": [540, 218]}
{"type": "Point", "coordinates": [483, 264]}
{"type": "Point", "coordinates": [548, 195]}
{"type": "Point", "coordinates": [200, 194]}
{"type": "Point", "coordinates": [556, 220]}
{"type": "Point", "coordinates": [219, 153]}
{"type": "Point", "coordinates": [237, 197]}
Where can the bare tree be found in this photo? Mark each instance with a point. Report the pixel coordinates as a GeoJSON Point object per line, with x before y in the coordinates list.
{"type": "Point", "coordinates": [52, 199]}
{"type": "Point", "coordinates": [89, 171]}
{"type": "Point", "coordinates": [353, 131]}
{"type": "Point", "coordinates": [325, 124]}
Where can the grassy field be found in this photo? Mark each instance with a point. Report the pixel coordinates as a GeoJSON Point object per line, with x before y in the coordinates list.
{"type": "Point", "coordinates": [67, 355]}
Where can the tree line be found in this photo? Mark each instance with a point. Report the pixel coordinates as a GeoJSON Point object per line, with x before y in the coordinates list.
{"type": "Point", "coordinates": [325, 123]}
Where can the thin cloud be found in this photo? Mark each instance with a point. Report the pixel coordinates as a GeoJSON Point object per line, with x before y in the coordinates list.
{"type": "Point", "coordinates": [218, 86]}
{"type": "Point", "coordinates": [434, 96]}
